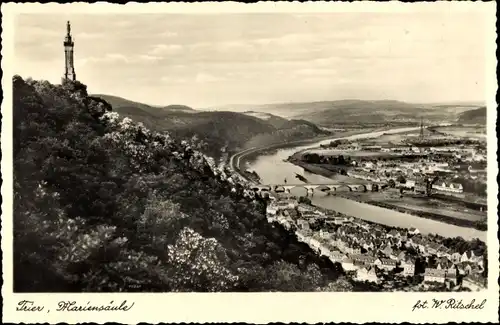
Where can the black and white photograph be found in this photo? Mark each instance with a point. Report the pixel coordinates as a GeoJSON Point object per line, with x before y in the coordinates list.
{"type": "Point", "coordinates": [251, 152]}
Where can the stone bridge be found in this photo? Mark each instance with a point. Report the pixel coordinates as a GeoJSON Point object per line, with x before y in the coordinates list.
{"type": "Point", "coordinates": [310, 188]}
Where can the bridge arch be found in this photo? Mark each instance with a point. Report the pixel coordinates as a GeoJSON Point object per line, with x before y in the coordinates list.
{"type": "Point", "coordinates": [311, 188]}
{"type": "Point", "coordinates": [324, 188]}
{"type": "Point", "coordinates": [358, 188]}
{"type": "Point", "coordinates": [279, 188]}
{"type": "Point", "coordinates": [343, 188]}
{"type": "Point", "coordinates": [288, 188]}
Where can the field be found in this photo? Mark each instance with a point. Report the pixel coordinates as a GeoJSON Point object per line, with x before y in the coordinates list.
{"type": "Point", "coordinates": [326, 171]}
{"type": "Point", "coordinates": [422, 204]}
{"type": "Point", "coordinates": [353, 154]}
{"type": "Point", "coordinates": [464, 131]}
{"type": "Point", "coordinates": [391, 138]}
{"type": "Point", "coordinates": [335, 152]}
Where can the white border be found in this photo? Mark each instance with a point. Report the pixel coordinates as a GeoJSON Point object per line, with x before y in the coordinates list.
{"type": "Point", "coordinates": [261, 307]}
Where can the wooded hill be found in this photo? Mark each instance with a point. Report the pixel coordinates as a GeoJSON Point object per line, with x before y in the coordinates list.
{"type": "Point", "coordinates": [102, 203]}
{"type": "Point", "coordinates": [475, 116]}
{"type": "Point", "coordinates": [359, 113]}
{"type": "Point", "coordinates": [215, 129]}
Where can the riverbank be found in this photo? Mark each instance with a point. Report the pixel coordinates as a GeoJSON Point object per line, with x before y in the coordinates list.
{"type": "Point", "coordinates": [460, 222]}
{"type": "Point", "coordinates": [250, 154]}
{"type": "Point", "coordinates": [274, 169]}
{"type": "Point", "coordinates": [416, 210]}
{"type": "Point", "coordinates": [334, 173]}
{"type": "Point", "coordinates": [315, 168]}
{"type": "Point", "coordinates": [385, 257]}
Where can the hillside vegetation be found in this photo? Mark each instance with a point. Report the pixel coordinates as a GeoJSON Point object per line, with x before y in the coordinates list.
{"type": "Point", "coordinates": [285, 130]}
{"type": "Point", "coordinates": [475, 116]}
{"type": "Point", "coordinates": [215, 129]}
{"type": "Point", "coordinates": [102, 203]}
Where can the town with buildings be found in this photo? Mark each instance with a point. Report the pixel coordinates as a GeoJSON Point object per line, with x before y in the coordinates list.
{"type": "Point", "coordinates": [439, 172]}
{"type": "Point", "coordinates": [455, 164]}
{"type": "Point", "coordinates": [390, 258]}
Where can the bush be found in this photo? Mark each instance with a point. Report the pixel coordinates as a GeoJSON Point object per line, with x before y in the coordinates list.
{"type": "Point", "coordinates": [305, 200]}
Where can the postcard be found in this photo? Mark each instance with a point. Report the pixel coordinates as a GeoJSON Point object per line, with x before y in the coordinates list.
{"type": "Point", "coordinates": [267, 162]}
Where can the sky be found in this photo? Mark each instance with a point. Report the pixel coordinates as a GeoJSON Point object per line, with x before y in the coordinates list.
{"type": "Point", "coordinates": [218, 59]}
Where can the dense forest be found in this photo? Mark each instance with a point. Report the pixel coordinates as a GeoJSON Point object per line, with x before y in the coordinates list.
{"type": "Point", "coordinates": [102, 203]}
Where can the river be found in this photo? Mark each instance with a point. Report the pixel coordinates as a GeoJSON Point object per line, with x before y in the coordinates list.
{"type": "Point", "coordinates": [273, 169]}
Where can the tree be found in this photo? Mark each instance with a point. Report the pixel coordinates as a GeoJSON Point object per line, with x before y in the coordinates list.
{"type": "Point", "coordinates": [312, 158]}
{"type": "Point", "coordinates": [160, 222]}
{"type": "Point", "coordinates": [335, 143]}
{"type": "Point", "coordinates": [305, 200]}
{"type": "Point", "coordinates": [391, 183]}
{"type": "Point", "coordinates": [285, 276]}
{"type": "Point", "coordinates": [428, 185]}
{"type": "Point", "coordinates": [341, 160]}
{"type": "Point", "coordinates": [197, 263]}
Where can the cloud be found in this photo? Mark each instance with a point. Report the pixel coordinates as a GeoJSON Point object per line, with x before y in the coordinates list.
{"type": "Point", "coordinates": [168, 34]}
{"type": "Point", "coordinates": [165, 49]}
{"type": "Point", "coordinates": [173, 80]}
{"type": "Point", "coordinates": [116, 57]}
{"type": "Point", "coordinates": [316, 72]}
{"type": "Point", "coordinates": [203, 77]}
{"type": "Point", "coordinates": [149, 58]}
{"type": "Point", "coordinates": [119, 58]}
{"type": "Point", "coordinates": [272, 57]}
{"type": "Point", "coordinates": [288, 40]}
{"type": "Point", "coordinates": [234, 46]}
{"type": "Point", "coordinates": [37, 31]}
{"type": "Point", "coordinates": [124, 23]}
{"type": "Point", "coordinates": [84, 35]}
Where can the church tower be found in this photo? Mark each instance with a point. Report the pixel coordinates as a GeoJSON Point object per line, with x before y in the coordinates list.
{"type": "Point", "coordinates": [69, 73]}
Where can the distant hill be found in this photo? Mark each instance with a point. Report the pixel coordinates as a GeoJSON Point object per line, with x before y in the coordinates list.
{"type": "Point", "coordinates": [474, 116]}
{"type": "Point", "coordinates": [285, 130]}
{"type": "Point", "coordinates": [178, 108]}
{"type": "Point", "coordinates": [308, 124]}
{"type": "Point", "coordinates": [359, 112]}
{"type": "Point", "coordinates": [280, 122]}
{"type": "Point", "coordinates": [458, 104]}
{"type": "Point", "coordinates": [354, 112]}
{"type": "Point", "coordinates": [217, 129]}
{"type": "Point", "coordinates": [124, 106]}
{"type": "Point", "coordinates": [117, 102]}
